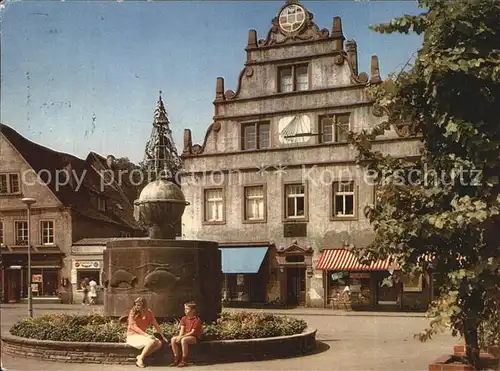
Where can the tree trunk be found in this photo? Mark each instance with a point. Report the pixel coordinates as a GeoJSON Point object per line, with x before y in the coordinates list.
{"type": "Point", "coordinates": [472, 350]}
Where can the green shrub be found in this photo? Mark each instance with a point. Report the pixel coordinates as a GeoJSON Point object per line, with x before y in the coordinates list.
{"type": "Point", "coordinates": [96, 328]}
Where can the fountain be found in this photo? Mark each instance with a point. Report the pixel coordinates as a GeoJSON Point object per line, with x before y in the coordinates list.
{"type": "Point", "coordinates": [165, 271]}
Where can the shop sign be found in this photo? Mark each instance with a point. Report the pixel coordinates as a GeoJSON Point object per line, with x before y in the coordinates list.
{"type": "Point", "coordinates": [34, 287]}
{"type": "Point", "coordinates": [86, 264]}
{"type": "Point", "coordinates": [36, 278]}
{"type": "Point", "coordinates": [338, 275]}
{"type": "Point", "coordinates": [360, 275]}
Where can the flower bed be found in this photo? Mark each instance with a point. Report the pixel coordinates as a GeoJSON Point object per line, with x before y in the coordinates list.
{"type": "Point", "coordinates": [96, 328]}
{"type": "Point", "coordinates": [96, 339]}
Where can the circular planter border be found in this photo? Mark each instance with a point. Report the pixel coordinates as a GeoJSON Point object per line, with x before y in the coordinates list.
{"type": "Point", "coordinates": [120, 353]}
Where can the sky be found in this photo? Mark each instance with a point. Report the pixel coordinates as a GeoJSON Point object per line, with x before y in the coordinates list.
{"type": "Point", "coordinates": [81, 76]}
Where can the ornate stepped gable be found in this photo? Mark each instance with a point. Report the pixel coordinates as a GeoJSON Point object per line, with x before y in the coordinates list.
{"type": "Point", "coordinates": [161, 157]}
{"type": "Point", "coordinates": [293, 25]}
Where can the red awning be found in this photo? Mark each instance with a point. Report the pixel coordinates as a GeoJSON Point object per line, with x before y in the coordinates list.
{"type": "Point", "coordinates": [344, 260]}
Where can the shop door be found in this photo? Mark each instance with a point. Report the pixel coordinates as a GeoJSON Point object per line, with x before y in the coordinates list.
{"type": "Point", "coordinates": [296, 286]}
{"type": "Point", "coordinates": [387, 295]}
{"type": "Point", "coordinates": [13, 283]}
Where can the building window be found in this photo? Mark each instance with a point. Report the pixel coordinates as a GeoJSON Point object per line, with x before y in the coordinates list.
{"type": "Point", "coordinates": [214, 205]}
{"type": "Point", "coordinates": [255, 135]}
{"type": "Point", "coordinates": [101, 204]}
{"type": "Point", "coordinates": [343, 199]}
{"type": "Point", "coordinates": [9, 183]}
{"type": "Point", "coordinates": [1, 232]}
{"type": "Point", "coordinates": [47, 232]}
{"type": "Point", "coordinates": [44, 281]}
{"type": "Point", "coordinates": [334, 129]}
{"type": "Point", "coordinates": [21, 233]}
{"type": "Point", "coordinates": [295, 199]}
{"type": "Point", "coordinates": [293, 78]}
{"type": "Point", "coordinates": [254, 203]}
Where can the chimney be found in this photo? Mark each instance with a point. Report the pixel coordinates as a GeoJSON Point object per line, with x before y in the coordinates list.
{"type": "Point", "coordinates": [375, 70]}
{"type": "Point", "coordinates": [110, 161]}
{"type": "Point", "coordinates": [352, 54]}
{"type": "Point", "coordinates": [219, 89]}
{"type": "Point", "coordinates": [69, 175]}
{"type": "Point", "coordinates": [337, 34]}
{"type": "Point", "coordinates": [252, 39]}
{"type": "Point", "coordinates": [188, 143]}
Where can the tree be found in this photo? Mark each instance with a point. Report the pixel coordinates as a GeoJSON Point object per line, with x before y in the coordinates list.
{"type": "Point", "coordinates": [135, 174]}
{"type": "Point", "coordinates": [448, 222]}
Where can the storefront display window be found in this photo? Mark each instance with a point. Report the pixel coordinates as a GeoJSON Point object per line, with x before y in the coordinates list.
{"type": "Point", "coordinates": [244, 288]}
{"type": "Point", "coordinates": [349, 288]}
{"type": "Point", "coordinates": [44, 281]}
{"type": "Point", "coordinates": [412, 284]}
{"type": "Point", "coordinates": [91, 274]}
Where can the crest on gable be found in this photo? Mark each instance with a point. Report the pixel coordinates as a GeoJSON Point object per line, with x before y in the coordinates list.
{"type": "Point", "coordinates": [293, 23]}
{"type": "Point", "coordinates": [295, 248]}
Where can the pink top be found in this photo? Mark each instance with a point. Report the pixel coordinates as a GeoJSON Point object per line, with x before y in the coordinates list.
{"type": "Point", "coordinates": [142, 322]}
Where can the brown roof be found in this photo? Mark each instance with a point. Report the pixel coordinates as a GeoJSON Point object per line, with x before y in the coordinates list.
{"type": "Point", "coordinates": [78, 199]}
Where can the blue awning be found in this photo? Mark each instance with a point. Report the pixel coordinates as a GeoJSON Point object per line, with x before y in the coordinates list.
{"type": "Point", "coordinates": [242, 259]}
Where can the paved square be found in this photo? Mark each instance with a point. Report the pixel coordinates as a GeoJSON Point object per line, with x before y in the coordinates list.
{"type": "Point", "coordinates": [350, 341]}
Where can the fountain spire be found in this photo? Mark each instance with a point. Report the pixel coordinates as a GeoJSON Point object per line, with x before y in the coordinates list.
{"type": "Point", "coordinates": [161, 158]}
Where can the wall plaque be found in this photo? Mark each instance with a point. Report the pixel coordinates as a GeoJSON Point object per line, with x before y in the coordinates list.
{"type": "Point", "coordinates": [295, 230]}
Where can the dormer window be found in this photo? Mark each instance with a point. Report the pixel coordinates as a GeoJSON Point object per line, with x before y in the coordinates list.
{"type": "Point", "coordinates": [293, 78]}
{"type": "Point", "coordinates": [9, 183]}
{"type": "Point", "coordinates": [101, 204]}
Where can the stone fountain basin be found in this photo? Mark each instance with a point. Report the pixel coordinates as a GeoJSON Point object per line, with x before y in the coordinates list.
{"type": "Point", "coordinates": [167, 273]}
{"type": "Point", "coordinates": [216, 351]}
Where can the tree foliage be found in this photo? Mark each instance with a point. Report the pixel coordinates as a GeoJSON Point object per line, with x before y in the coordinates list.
{"type": "Point", "coordinates": [447, 220]}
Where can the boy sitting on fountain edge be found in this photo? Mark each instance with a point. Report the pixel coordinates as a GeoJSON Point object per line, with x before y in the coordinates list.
{"type": "Point", "coordinates": [190, 330]}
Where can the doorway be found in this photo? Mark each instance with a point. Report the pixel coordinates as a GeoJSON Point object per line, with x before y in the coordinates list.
{"type": "Point", "coordinates": [13, 283]}
{"type": "Point", "coordinates": [296, 286]}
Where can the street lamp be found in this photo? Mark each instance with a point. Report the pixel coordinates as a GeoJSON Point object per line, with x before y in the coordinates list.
{"type": "Point", "coordinates": [28, 202]}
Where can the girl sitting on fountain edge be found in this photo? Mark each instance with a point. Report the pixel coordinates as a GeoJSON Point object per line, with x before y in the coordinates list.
{"type": "Point", "coordinates": [139, 319]}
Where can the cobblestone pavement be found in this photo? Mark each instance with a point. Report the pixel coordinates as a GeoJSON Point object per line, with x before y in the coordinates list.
{"type": "Point", "coordinates": [348, 341]}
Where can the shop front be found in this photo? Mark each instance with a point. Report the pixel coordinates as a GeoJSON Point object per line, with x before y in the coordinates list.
{"type": "Point", "coordinates": [86, 269]}
{"type": "Point", "coordinates": [246, 273]}
{"type": "Point", "coordinates": [295, 267]}
{"type": "Point", "coordinates": [348, 284]}
{"type": "Point", "coordinates": [45, 277]}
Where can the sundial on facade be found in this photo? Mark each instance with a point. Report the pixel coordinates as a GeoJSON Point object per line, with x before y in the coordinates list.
{"type": "Point", "coordinates": [294, 129]}
{"type": "Point", "coordinates": [292, 18]}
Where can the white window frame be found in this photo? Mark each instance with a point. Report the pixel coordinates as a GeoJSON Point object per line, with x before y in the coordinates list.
{"type": "Point", "coordinates": [47, 225]}
{"type": "Point", "coordinates": [213, 197]}
{"type": "Point", "coordinates": [294, 86]}
{"type": "Point", "coordinates": [339, 190]}
{"type": "Point", "coordinates": [334, 127]}
{"type": "Point", "coordinates": [24, 232]}
{"type": "Point", "coordinates": [255, 203]}
{"type": "Point", "coordinates": [257, 140]}
{"type": "Point", "coordinates": [8, 178]}
{"type": "Point", "coordinates": [290, 194]}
